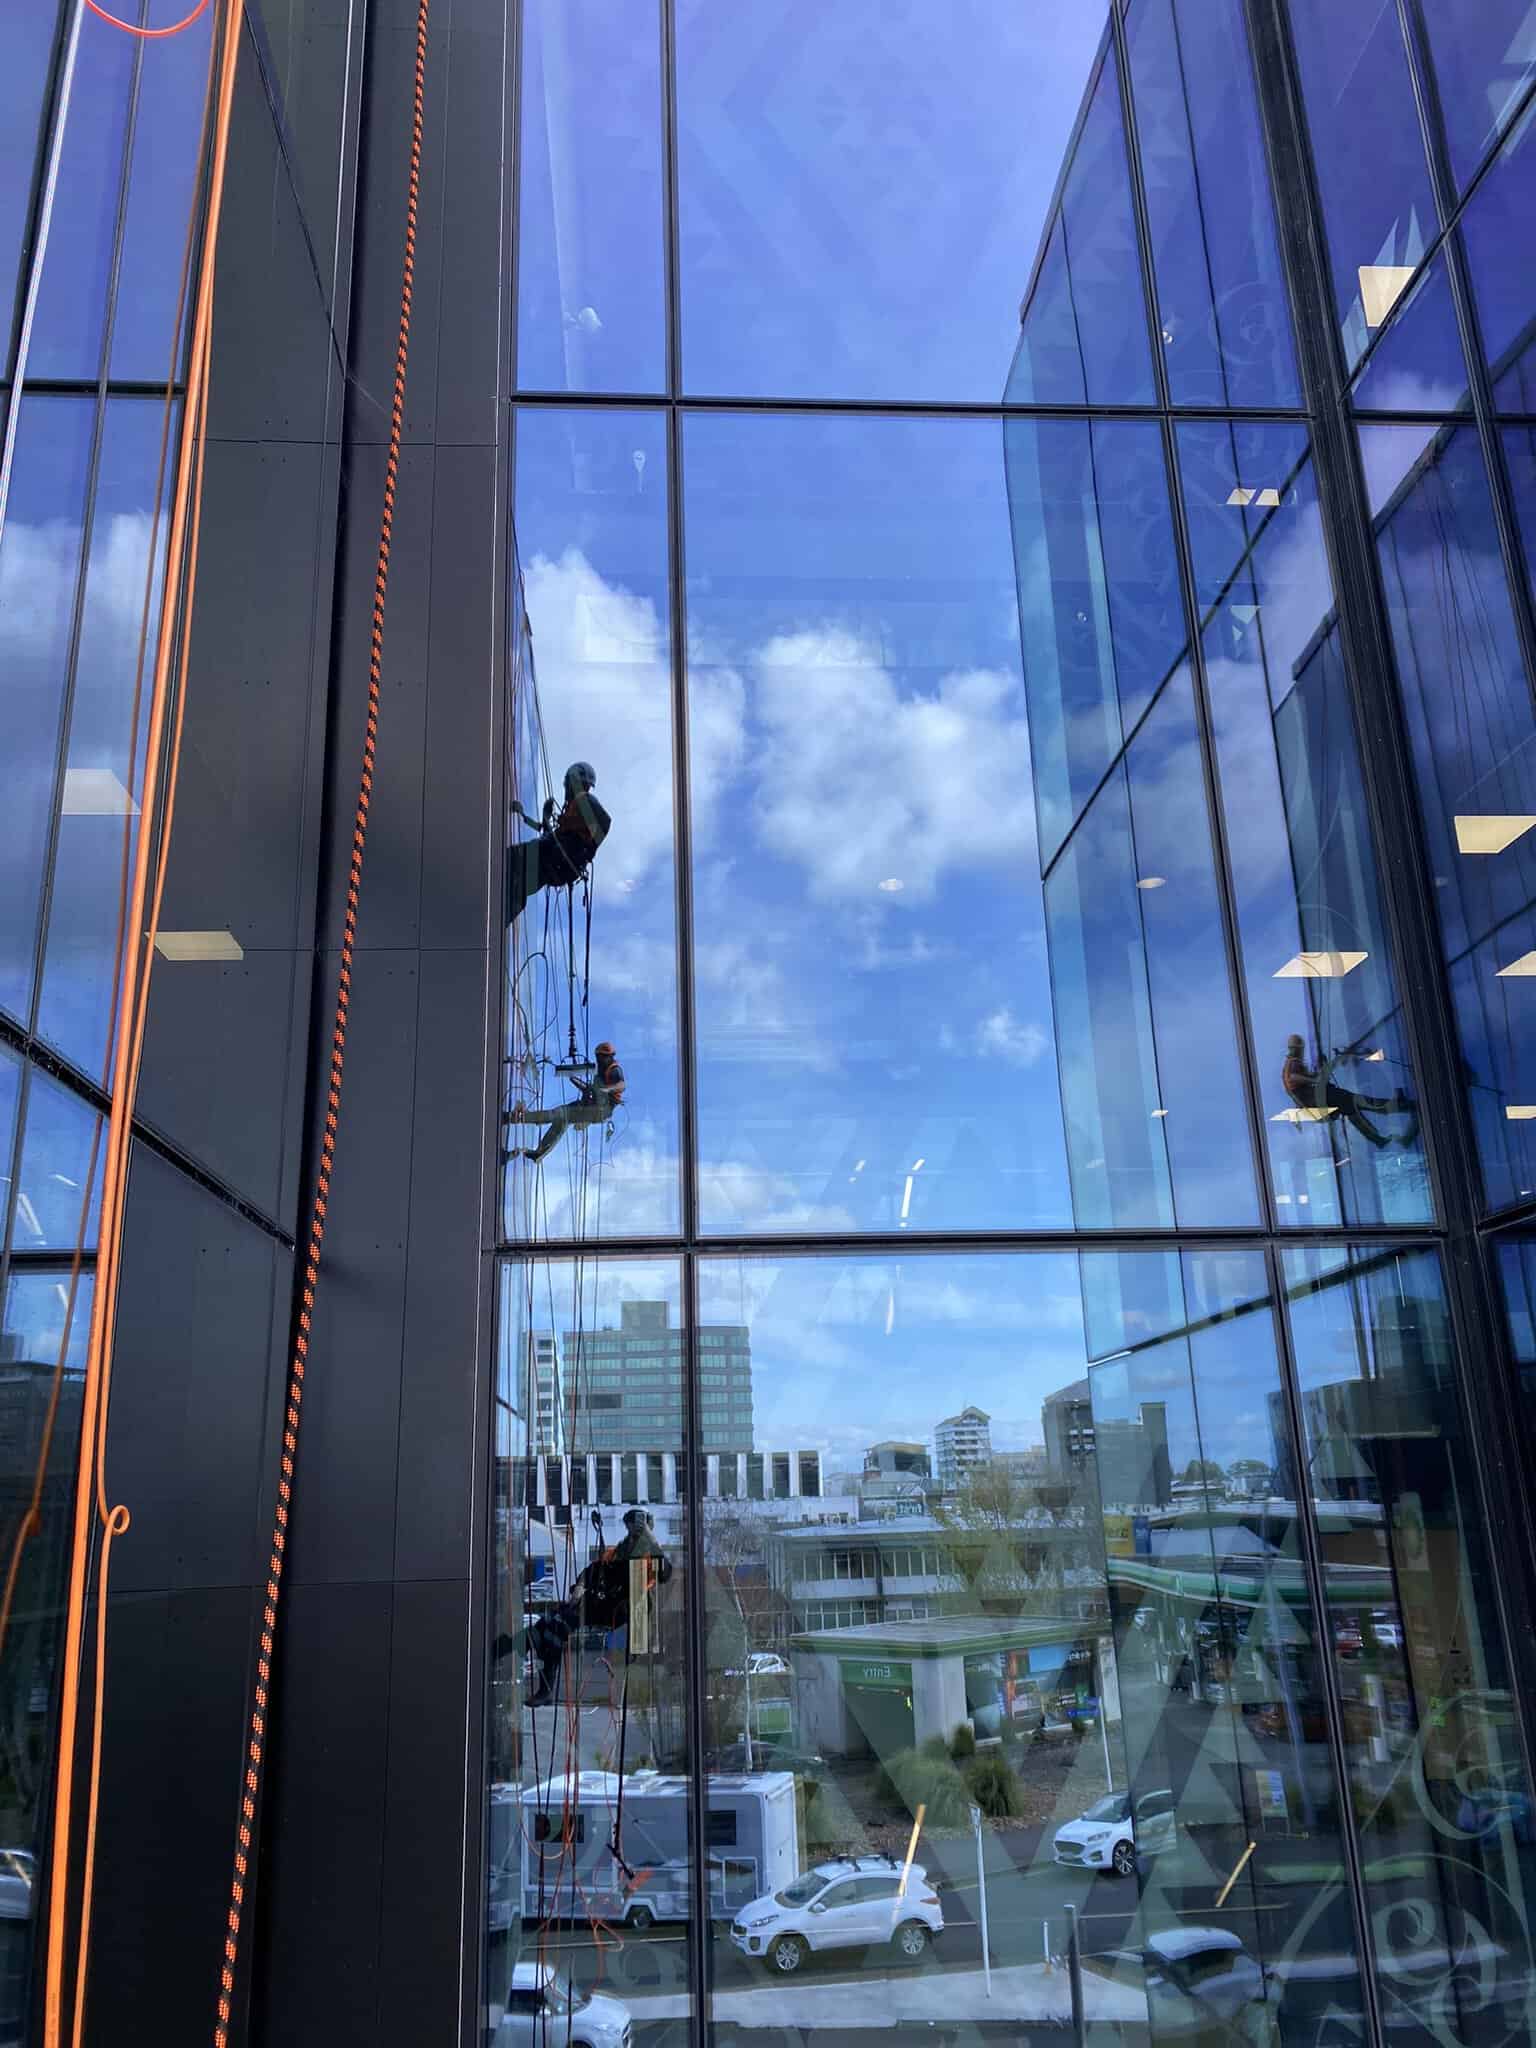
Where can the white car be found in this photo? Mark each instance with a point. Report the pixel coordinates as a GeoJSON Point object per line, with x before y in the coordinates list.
{"type": "Point", "coordinates": [17, 1871]}
{"type": "Point", "coordinates": [851, 1902]}
{"type": "Point", "coordinates": [1200, 1984]}
{"type": "Point", "coordinates": [1107, 1835]}
{"type": "Point", "coordinates": [767, 1664]}
{"type": "Point", "coordinates": [545, 2010]}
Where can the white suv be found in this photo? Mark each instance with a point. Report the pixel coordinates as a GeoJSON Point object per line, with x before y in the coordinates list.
{"type": "Point", "coordinates": [852, 1902]}
{"type": "Point", "coordinates": [1106, 1838]}
{"type": "Point", "coordinates": [544, 2010]}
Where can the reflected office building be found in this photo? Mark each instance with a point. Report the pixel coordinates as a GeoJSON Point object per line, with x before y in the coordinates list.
{"type": "Point", "coordinates": [919, 1410]}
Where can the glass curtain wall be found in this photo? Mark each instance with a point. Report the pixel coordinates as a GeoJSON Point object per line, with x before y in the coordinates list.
{"type": "Point", "coordinates": [990, 1522]}
{"type": "Point", "coordinates": [90, 371]}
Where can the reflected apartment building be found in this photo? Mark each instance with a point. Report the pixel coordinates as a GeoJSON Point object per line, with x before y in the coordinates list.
{"type": "Point", "coordinates": [988, 1486]}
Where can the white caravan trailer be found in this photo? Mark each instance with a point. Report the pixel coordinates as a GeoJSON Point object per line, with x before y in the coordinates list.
{"type": "Point", "coordinates": [571, 1871]}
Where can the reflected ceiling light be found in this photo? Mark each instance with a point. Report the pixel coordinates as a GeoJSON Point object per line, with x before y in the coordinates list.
{"type": "Point", "coordinates": [96, 793]}
{"type": "Point", "coordinates": [916, 1166]}
{"type": "Point", "coordinates": [1378, 1054]}
{"type": "Point", "coordinates": [1324, 966]}
{"type": "Point", "coordinates": [858, 1166]}
{"type": "Point", "coordinates": [1270, 496]}
{"type": "Point", "coordinates": [1381, 286]}
{"type": "Point", "coordinates": [892, 883]}
{"type": "Point", "coordinates": [1490, 833]}
{"type": "Point", "coordinates": [1151, 881]}
{"type": "Point", "coordinates": [1159, 1112]}
{"type": "Point", "coordinates": [890, 1311]}
{"type": "Point", "coordinates": [1300, 1115]}
{"type": "Point", "coordinates": [1238, 496]}
{"type": "Point", "coordinates": [198, 946]}
{"type": "Point", "coordinates": [906, 1201]}
{"type": "Point", "coordinates": [1520, 1112]}
{"type": "Point", "coordinates": [1241, 495]}
{"type": "Point", "coordinates": [1526, 964]}
{"type": "Point", "coordinates": [1244, 613]}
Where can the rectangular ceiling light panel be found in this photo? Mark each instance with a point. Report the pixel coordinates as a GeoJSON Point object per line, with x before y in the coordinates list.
{"type": "Point", "coordinates": [198, 946]}
{"type": "Point", "coordinates": [1319, 966]}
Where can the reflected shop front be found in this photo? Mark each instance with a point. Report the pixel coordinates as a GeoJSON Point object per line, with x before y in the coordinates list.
{"type": "Point", "coordinates": [1015, 1331]}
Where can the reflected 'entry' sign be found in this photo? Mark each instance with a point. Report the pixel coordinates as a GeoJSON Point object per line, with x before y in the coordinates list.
{"type": "Point", "coordinates": [888, 1677]}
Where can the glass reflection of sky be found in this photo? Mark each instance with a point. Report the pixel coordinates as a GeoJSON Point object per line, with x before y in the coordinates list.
{"type": "Point", "coordinates": [862, 189]}
{"type": "Point", "coordinates": [873, 999]}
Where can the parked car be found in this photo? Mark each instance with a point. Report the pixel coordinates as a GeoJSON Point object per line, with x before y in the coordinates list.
{"type": "Point", "coordinates": [851, 1902]}
{"type": "Point", "coordinates": [1107, 1836]}
{"type": "Point", "coordinates": [17, 1870]}
{"type": "Point", "coordinates": [767, 1664]}
{"type": "Point", "coordinates": [545, 2010]}
{"type": "Point", "coordinates": [1200, 1984]}
{"type": "Point", "coordinates": [768, 1754]}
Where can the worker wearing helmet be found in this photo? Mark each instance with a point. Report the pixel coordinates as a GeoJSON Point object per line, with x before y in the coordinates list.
{"type": "Point", "coordinates": [595, 1104]}
{"type": "Point", "coordinates": [563, 851]}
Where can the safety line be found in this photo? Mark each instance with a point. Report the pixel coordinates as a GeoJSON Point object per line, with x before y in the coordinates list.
{"type": "Point", "coordinates": [138, 924]}
{"type": "Point", "coordinates": [257, 1731]}
{"type": "Point", "coordinates": [148, 35]}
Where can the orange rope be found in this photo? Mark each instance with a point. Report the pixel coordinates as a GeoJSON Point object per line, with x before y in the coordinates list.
{"type": "Point", "coordinates": [132, 1006]}
{"type": "Point", "coordinates": [149, 34]}
{"type": "Point", "coordinates": [31, 1520]}
{"type": "Point", "coordinates": [256, 1744]}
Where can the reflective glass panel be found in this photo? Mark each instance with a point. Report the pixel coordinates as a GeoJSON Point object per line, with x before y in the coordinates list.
{"type": "Point", "coordinates": [592, 526]}
{"type": "Point", "coordinates": [1221, 1670]}
{"type": "Point", "coordinates": [1337, 1095]}
{"type": "Point", "coordinates": [1083, 332]}
{"type": "Point", "coordinates": [874, 1014]}
{"type": "Point", "coordinates": [1199, 1078]}
{"type": "Point", "coordinates": [1378, 204]}
{"type": "Point", "coordinates": [42, 1361]}
{"type": "Point", "coordinates": [39, 568]}
{"type": "Point", "coordinates": [860, 191]}
{"type": "Point", "coordinates": [589, 1842]}
{"type": "Point", "coordinates": [1416, 362]}
{"type": "Point", "coordinates": [29, 37]}
{"type": "Point", "coordinates": [1442, 1802]}
{"type": "Point", "coordinates": [1473, 731]}
{"type": "Point", "coordinates": [1484, 57]}
{"type": "Point", "coordinates": [161, 184]}
{"type": "Point", "coordinates": [915, 1728]}
{"type": "Point", "coordinates": [1516, 1257]}
{"type": "Point", "coordinates": [72, 304]}
{"type": "Point", "coordinates": [107, 736]}
{"type": "Point", "coordinates": [1222, 311]}
{"type": "Point", "coordinates": [1101, 621]}
{"type": "Point", "coordinates": [591, 305]}
{"type": "Point", "coordinates": [64, 1145]}
{"type": "Point", "coordinates": [1147, 1046]}
{"type": "Point", "coordinates": [1495, 230]}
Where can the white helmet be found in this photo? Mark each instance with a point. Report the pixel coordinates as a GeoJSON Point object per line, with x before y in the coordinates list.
{"type": "Point", "coordinates": [580, 775]}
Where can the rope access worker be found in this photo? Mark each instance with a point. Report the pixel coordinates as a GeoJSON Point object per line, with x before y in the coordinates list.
{"type": "Point", "coordinates": [563, 851]}
{"type": "Point", "coordinates": [1313, 1088]}
{"type": "Point", "coordinates": [595, 1104]}
{"type": "Point", "coordinates": [599, 1599]}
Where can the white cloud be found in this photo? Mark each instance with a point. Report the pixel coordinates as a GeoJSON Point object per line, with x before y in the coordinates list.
{"type": "Point", "coordinates": [605, 691]}
{"type": "Point", "coordinates": [1002, 1036]}
{"type": "Point", "coordinates": [860, 783]}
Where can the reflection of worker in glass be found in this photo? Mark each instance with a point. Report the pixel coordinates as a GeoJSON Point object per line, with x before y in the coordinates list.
{"type": "Point", "coordinates": [596, 1102]}
{"type": "Point", "coordinates": [1314, 1089]}
{"type": "Point", "coordinates": [563, 851]}
{"type": "Point", "coordinates": [599, 1599]}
